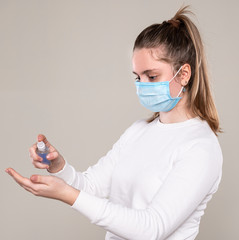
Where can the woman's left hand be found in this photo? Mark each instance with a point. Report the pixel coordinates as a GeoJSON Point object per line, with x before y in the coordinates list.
{"type": "Point", "coordinates": [46, 186]}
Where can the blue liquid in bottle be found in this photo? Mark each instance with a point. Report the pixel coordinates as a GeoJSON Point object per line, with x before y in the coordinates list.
{"type": "Point", "coordinates": [43, 156]}
{"type": "Point", "coordinates": [42, 151]}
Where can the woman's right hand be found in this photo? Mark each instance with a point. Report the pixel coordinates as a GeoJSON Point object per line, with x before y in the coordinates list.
{"type": "Point", "coordinates": [57, 161]}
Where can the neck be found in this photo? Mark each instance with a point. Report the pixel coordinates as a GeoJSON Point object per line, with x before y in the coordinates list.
{"type": "Point", "coordinates": [179, 113]}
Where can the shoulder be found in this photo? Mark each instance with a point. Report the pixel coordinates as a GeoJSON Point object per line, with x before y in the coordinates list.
{"type": "Point", "coordinates": [140, 123]}
{"type": "Point", "coordinates": [199, 136]}
{"type": "Point", "coordinates": [202, 154]}
{"type": "Point", "coordinates": [199, 145]}
{"type": "Point", "coordinates": [134, 128]}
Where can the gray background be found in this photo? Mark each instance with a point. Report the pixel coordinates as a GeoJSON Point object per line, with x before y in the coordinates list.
{"type": "Point", "coordinates": [65, 70]}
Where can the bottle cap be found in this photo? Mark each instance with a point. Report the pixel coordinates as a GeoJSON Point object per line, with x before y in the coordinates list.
{"type": "Point", "coordinates": [41, 146]}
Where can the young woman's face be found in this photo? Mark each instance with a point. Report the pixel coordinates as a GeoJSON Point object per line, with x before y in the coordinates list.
{"type": "Point", "coordinates": [148, 69]}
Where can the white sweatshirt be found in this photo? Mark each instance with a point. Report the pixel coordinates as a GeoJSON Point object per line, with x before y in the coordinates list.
{"type": "Point", "coordinates": [155, 182]}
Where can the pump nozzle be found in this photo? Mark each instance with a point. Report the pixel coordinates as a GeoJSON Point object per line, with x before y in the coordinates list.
{"type": "Point", "coordinates": [41, 146]}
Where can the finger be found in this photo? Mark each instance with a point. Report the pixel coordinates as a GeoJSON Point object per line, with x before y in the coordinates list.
{"type": "Point", "coordinates": [40, 165]}
{"type": "Point", "coordinates": [18, 178]}
{"type": "Point", "coordinates": [33, 153]}
{"type": "Point", "coordinates": [29, 190]}
{"type": "Point", "coordinates": [43, 138]}
{"type": "Point", "coordinates": [40, 179]}
{"type": "Point", "coordinates": [52, 155]}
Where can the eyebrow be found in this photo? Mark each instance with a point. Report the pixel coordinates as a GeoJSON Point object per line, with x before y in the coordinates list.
{"type": "Point", "coordinates": [147, 71]}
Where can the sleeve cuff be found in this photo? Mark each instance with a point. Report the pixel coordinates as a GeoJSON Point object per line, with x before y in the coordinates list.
{"type": "Point", "coordinates": [65, 171]}
{"type": "Point", "coordinates": [89, 205]}
{"type": "Point", "coordinates": [67, 174]}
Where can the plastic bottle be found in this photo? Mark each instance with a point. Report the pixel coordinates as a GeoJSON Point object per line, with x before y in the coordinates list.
{"type": "Point", "coordinates": [42, 151]}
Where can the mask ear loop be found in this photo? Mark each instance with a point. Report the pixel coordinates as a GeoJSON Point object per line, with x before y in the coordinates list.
{"type": "Point", "coordinates": [182, 89]}
{"type": "Point", "coordinates": [176, 73]}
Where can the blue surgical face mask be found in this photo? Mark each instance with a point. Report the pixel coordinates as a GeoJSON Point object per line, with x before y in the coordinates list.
{"type": "Point", "coordinates": [155, 96]}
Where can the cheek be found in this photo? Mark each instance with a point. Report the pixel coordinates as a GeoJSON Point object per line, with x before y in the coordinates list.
{"type": "Point", "coordinates": [174, 88]}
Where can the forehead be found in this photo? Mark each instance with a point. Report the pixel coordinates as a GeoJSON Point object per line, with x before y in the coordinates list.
{"type": "Point", "coordinates": [152, 54]}
{"type": "Point", "coordinates": [147, 58]}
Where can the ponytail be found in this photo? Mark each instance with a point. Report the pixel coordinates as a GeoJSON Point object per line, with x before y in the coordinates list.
{"type": "Point", "coordinates": [182, 44]}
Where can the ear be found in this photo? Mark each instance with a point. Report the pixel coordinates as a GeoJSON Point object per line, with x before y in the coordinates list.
{"type": "Point", "coordinates": [185, 74]}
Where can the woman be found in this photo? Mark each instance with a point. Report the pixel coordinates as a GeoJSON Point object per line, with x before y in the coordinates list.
{"type": "Point", "coordinates": [156, 180]}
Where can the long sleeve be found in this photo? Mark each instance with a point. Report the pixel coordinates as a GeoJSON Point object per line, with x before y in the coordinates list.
{"type": "Point", "coordinates": [191, 179]}
{"type": "Point", "coordinates": [96, 180]}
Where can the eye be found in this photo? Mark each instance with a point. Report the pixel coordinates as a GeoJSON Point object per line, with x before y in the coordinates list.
{"type": "Point", "coordinates": [152, 77]}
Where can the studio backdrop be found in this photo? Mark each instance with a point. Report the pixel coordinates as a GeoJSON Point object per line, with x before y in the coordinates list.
{"type": "Point", "coordinates": [66, 72]}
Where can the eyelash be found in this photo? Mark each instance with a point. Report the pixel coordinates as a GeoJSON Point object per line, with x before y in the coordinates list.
{"type": "Point", "coordinates": [150, 77]}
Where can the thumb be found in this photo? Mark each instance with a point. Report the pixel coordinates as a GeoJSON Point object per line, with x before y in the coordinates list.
{"type": "Point", "coordinates": [43, 138]}
{"type": "Point", "coordinates": [39, 179]}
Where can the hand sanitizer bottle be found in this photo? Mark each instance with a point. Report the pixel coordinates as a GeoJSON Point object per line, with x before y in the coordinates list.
{"type": "Point", "coordinates": [42, 151]}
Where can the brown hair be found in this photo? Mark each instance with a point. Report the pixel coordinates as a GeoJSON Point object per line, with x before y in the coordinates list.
{"type": "Point", "coordinates": [181, 42]}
